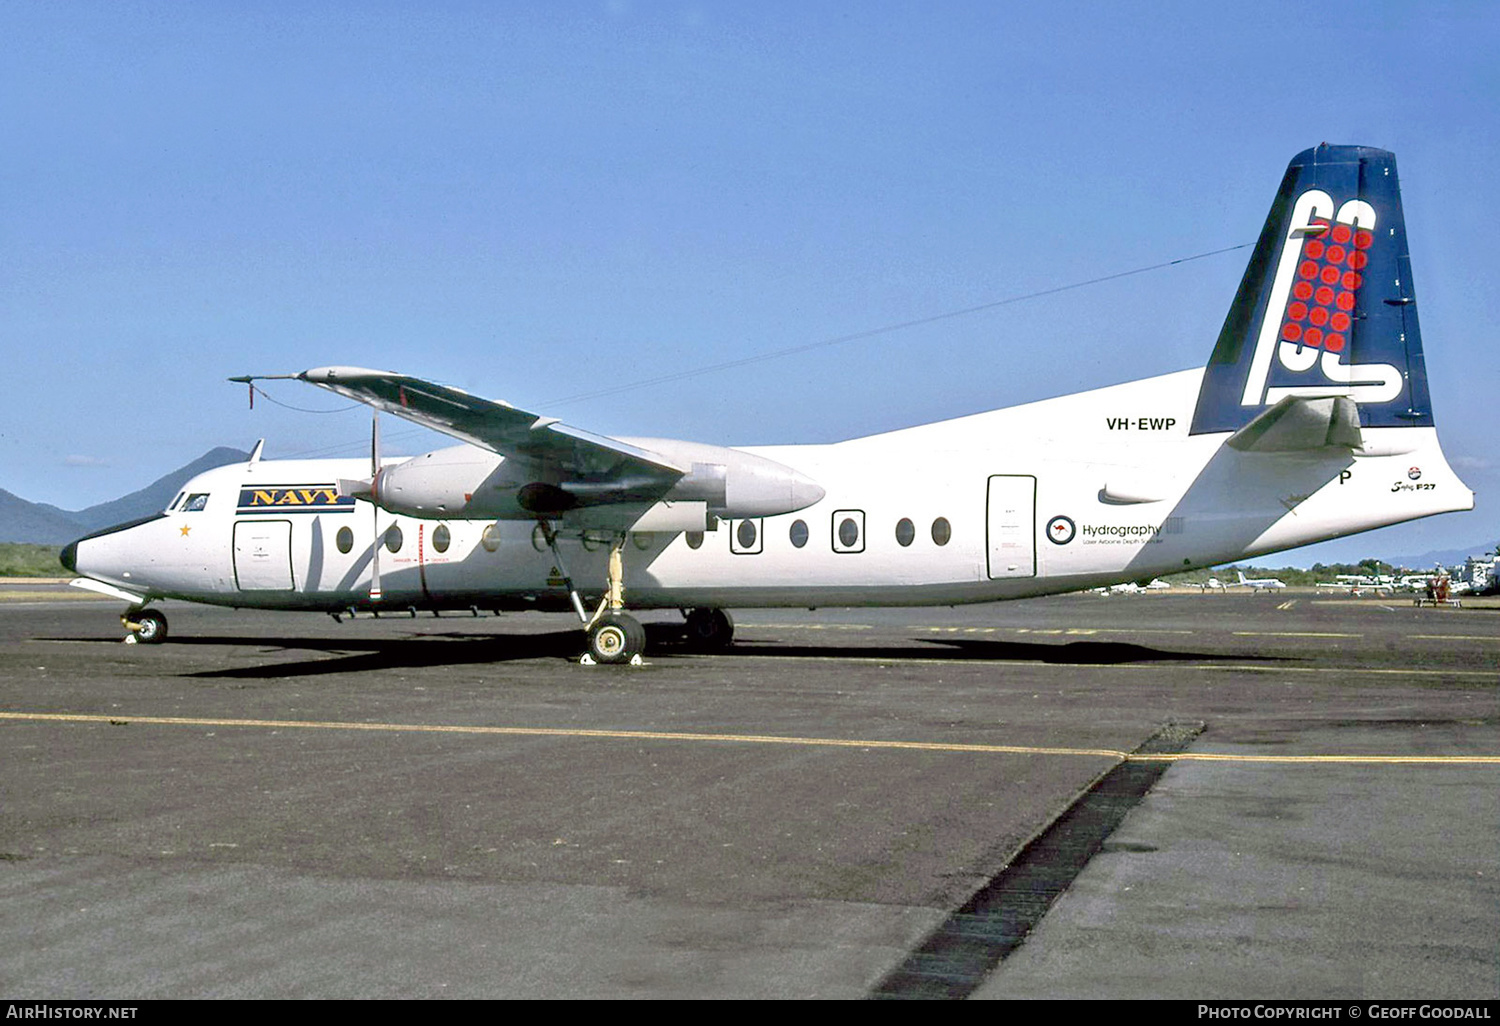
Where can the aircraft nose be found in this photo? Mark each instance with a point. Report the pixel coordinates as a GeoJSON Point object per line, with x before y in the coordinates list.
{"type": "Point", "coordinates": [107, 553]}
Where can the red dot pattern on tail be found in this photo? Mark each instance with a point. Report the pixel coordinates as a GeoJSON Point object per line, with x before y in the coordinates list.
{"type": "Point", "coordinates": [1323, 294]}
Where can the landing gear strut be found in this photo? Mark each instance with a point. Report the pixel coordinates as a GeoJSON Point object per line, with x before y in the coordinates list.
{"type": "Point", "coordinates": [146, 626]}
{"type": "Point", "coordinates": [614, 636]}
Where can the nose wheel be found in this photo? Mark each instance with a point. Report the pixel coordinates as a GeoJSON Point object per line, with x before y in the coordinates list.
{"type": "Point", "coordinates": [146, 626]}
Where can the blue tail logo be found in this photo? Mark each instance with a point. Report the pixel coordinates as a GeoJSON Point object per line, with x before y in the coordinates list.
{"type": "Point", "coordinates": [1326, 307]}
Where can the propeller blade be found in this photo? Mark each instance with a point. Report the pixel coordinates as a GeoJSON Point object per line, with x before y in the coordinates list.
{"type": "Point", "coordinates": [375, 592]}
{"type": "Point", "coordinates": [378, 542]}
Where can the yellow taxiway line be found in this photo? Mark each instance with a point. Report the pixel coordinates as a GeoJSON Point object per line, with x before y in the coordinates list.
{"type": "Point", "coordinates": [765, 739]}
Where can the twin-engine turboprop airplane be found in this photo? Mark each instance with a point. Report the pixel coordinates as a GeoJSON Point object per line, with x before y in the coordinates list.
{"type": "Point", "coordinates": [1257, 584]}
{"type": "Point", "coordinates": [1311, 421]}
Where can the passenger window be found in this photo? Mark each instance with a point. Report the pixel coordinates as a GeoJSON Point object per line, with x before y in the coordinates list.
{"type": "Point", "coordinates": [746, 539]}
{"type": "Point", "coordinates": [441, 537]}
{"type": "Point", "coordinates": [195, 503]}
{"type": "Point", "coordinates": [490, 539]}
{"type": "Point", "coordinates": [694, 539]}
{"type": "Point", "coordinates": [798, 533]}
{"type": "Point", "coordinates": [848, 530]}
{"type": "Point", "coordinates": [344, 540]}
{"type": "Point", "coordinates": [393, 538]}
{"type": "Point", "coordinates": [941, 531]}
{"type": "Point", "coordinates": [906, 532]}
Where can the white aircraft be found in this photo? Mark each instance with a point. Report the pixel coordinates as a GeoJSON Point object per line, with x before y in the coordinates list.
{"type": "Point", "coordinates": [1257, 584]}
{"type": "Point", "coordinates": [1358, 584]}
{"type": "Point", "coordinates": [1311, 421]}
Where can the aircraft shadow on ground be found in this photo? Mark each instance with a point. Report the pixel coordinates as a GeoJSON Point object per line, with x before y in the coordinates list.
{"type": "Point", "coordinates": [1073, 653]}
{"type": "Point", "coordinates": [664, 641]}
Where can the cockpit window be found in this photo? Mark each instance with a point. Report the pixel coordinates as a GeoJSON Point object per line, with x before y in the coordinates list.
{"type": "Point", "coordinates": [195, 503]}
{"type": "Point", "coordinates": [173, 504]}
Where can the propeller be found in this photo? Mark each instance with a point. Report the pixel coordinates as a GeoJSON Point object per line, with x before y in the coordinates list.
{"type": "Point", "coordinates": [370, 492]}
{"type": "Point", "coordinates": [378, 543]}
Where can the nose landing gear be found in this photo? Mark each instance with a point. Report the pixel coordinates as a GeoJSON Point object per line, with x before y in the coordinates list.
{"type": "Point", "coordinates": [146, 626]}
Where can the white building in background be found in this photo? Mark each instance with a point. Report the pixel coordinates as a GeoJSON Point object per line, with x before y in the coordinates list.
{"type": "Point", "coordinates": [1480, 572]}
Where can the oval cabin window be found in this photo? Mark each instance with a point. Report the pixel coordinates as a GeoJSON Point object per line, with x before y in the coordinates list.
{"type": "Point", "coordinates": [941, 531]}
{"type": "Point", "coordinates": [906, 532]}
{"type": "Point", "coordinates": [798, 533]}
{"type": "Point", "coordinates": [848, 533]}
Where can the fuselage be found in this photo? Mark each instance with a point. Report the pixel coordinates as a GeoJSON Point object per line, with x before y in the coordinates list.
{"type": "Point", "coordinates": [1060, 495]}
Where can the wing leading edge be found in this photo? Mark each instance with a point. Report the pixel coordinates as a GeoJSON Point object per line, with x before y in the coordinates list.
{"type": "Point", "coordinates": [493, 425]}
{"type": "Point", "coordinates": [553, 469]}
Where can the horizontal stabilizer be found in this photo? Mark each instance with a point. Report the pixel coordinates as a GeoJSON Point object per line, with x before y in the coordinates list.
{"type": "Point", "coordinates": [1300, 424]}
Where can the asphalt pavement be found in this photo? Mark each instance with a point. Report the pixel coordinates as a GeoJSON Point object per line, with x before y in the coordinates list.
{"type": "Point", "coordinates": [276, 805]}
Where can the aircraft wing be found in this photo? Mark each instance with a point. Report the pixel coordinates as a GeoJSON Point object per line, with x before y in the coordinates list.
{"type": "Point", "coordinates": [502, 428]}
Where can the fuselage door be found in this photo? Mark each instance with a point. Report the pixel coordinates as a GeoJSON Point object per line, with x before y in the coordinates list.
{"type": "Point", "coordinates": [263, 555]}
{"type": "Point", "coordinates": [1011, 525]}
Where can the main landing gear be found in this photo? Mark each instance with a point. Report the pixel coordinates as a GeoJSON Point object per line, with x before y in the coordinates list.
{"type": "Point", "coordinates": [709, 630]}
{"type": "Point", "coordinates": [614, 636]}
{"type": "Point", "coordinates": [146, 626]}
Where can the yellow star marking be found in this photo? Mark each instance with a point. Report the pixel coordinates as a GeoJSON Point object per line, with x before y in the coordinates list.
{"type": "Point", "coordinates": [185, 528]}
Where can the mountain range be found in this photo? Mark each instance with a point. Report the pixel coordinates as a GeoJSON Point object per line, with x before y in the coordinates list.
{"type": "Point", "coordinates": [42, 524]}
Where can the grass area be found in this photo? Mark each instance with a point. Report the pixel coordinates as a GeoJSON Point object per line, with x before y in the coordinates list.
{"type": "Point", "coordinates": [21, 560]}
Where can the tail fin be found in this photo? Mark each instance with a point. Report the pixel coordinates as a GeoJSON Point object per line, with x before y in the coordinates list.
{"type": "Point", "coordinates": [1326, 306]}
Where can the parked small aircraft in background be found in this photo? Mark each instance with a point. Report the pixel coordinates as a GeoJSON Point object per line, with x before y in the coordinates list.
{"type": "Point", "coordinates": [1312, 420]}
{"type": "Point", "coordinates": [1359, 584]}
{"type": "Point", "coordinates": [1257, 583]}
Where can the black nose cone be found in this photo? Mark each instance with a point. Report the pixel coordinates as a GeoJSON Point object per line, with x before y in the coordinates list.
{"type": "Point", "coordinates": [69, 557]}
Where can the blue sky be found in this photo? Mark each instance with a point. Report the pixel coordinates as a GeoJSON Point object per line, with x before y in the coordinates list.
{"type": "Point", "coordinates": [538, 201]}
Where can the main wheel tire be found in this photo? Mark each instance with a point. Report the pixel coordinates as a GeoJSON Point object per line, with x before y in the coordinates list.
{"type": "Point", "coordinates": [616, 638]}
{"type": "Point", "coordinates": [151, 627]}
{"type": "Point", "coordinates": [709, 630]}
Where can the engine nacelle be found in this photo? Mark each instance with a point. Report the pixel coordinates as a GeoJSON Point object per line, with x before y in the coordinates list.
{"type": "Point", "coordinates": [445, 484]}
{"type": "Point", "coordinates": [736, 484]}
{"type": "Point", "coordinates": [466, 482]}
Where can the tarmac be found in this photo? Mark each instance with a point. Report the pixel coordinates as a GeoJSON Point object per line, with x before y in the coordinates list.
{"type": "Point", "coordinates": [1150, 796]}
